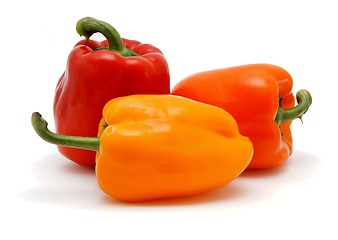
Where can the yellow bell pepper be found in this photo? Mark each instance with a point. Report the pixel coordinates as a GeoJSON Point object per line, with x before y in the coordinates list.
{"type": "Point", "coordinates": [161, 146]}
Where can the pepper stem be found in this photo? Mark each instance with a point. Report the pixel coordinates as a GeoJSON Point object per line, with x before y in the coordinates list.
{"type": "Point", "coordinates": [304, 101]}
{"type": "Point", "coordinates": [88, 26]}
{"type": "Point", "coordinates": [40, 127]}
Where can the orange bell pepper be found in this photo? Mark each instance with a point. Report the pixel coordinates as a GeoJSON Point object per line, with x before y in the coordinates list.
{"type": "Point", "coordinates": [259, 97]}
{"type": "Point", "coordinates": [161, 146]}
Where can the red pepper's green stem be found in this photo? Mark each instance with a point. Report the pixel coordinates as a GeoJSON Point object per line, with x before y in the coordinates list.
{"type": "Point", "coordinates": [304, 101]}
{"type": "Point", "coordinates": [88, 26]}
{"type": "Point", "coordinates": [40, 127]}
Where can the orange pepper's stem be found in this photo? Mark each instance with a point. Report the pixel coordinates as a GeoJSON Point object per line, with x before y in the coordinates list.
{"type": "Point", "coordinates": [40, 126]}
{"type": "Point", "coordinates": [304, 101]}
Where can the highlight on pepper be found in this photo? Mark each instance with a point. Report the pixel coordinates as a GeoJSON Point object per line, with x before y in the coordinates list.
{"type": "Point", "coordinates": [160, 146]}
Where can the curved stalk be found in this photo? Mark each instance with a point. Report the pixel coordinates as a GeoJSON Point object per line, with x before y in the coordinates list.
{"type": "Point", "coordinates": [304, 101]}
{"type": "Point", "coordinates": [40, 126]}
{"type": "Point", "coordinates": [88, 26]}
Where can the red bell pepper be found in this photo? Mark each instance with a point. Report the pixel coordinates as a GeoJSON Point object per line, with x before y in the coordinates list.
{"type": "Point", "coordinates": [96, 72]}
{"type": "Point", "coordinates": [259, 97]}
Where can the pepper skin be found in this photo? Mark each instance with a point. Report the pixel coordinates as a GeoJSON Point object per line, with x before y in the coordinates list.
{"type": "Point", "coordinates": [259, 97]}
{"type": "Point", "coordinates": [99, 71]}
{"type": "Point", "coordinates": [161, 146]}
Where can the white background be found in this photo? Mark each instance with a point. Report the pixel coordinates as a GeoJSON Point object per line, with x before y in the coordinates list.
{"type": "Point", "coordinates": [45, 196]}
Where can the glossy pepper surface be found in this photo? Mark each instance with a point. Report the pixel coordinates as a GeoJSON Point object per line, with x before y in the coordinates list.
{"type": "Point", "coordinates": [161, 146]}
{"type": "Point", "coordinates": [99, 71]}
{"type": "Point", "coordinates": [259, 97]}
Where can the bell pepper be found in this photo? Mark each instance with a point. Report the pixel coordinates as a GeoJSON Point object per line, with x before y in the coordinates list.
{"type": "Point", "coordinates": [259, 97]}
{"type": "Point", "coordinates": [160, 146]}
{"type": "Point", "coordinates": [99, 71]}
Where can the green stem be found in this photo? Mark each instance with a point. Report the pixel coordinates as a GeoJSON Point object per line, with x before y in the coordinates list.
{"type": "Point", "coordinates": [88, 26]}
{"type": "Point", "coordinates": [40, 127]}
{"type": "Point", "coordinates": [304, 101]}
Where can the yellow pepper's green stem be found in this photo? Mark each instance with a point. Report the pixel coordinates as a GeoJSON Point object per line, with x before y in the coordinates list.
{"type": "Point", "coordinates": [304, 101]}
{"type": "Point", "coordinates": [88, 26]}
{"type": "Point", "coordinates": [40, 126]}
